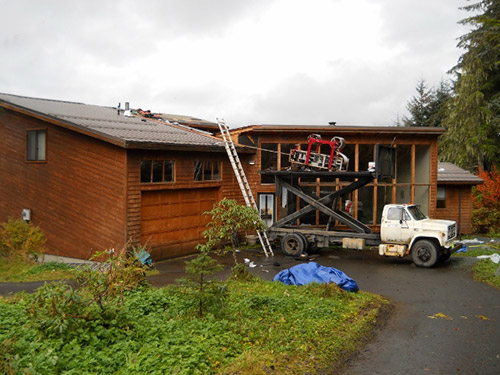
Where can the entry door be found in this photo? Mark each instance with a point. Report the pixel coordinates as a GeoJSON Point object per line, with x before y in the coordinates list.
{"type": "Point", "coordinates": [266, 208]}
{"type": "Point", "coordinates": [397, 226]}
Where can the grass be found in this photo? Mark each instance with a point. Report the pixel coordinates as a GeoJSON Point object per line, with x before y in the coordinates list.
{"type": "Point", "coordinates": [265, 327]}
{"type": "Point", "coordinates": [483, 270]}
{"type": "Point", "coordinates": [18, 270]}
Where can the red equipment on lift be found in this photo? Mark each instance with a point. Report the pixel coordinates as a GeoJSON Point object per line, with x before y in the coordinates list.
{"type": "Point", "coordinates": [313, 158]}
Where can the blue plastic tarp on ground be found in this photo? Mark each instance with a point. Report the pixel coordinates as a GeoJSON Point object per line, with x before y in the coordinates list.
{"type": "Point", "coordinates": [313, 272]}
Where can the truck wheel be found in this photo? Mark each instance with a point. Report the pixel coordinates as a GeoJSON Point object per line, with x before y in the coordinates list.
{"type": "Point", "coordinates": [424, 253]}
{"type": "Point", "coordinates": [293, 244]}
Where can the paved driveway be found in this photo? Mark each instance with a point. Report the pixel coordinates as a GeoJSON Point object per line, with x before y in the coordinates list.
{"type": "Point", "coordinates": [444, 322]}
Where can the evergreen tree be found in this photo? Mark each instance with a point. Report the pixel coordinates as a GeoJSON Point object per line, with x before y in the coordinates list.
{"type": "Point", "coordinates": [419, 106]}
{"type": "Point", "coordinates": [438, 105]}
{"type": "Point", "coordinates": [472, 119]}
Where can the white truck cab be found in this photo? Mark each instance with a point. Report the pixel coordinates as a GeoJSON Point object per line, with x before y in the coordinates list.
{"type": "Point", "coordinates": [404, 230]}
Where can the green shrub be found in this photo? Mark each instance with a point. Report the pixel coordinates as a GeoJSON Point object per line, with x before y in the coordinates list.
{"type": "Point", "coordinates": [58, 309]}
{"type": "Point", "coordinates": [116, 273]}
{"type": "Point", "coordinates": [227, 219]}
{"type": "Point", "coordinates": [21, 239]}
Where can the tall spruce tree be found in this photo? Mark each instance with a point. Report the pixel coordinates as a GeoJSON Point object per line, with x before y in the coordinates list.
{"type": "Point", "coordinates": [427, 108]}
{"type": "Point", "coordinates": [472, 118]}
{"type": "Point", "coordinates": [419, 106]}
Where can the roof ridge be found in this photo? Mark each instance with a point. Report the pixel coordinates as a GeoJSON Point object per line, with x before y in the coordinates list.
{"type": "Point", "coordinates": [44, 99]}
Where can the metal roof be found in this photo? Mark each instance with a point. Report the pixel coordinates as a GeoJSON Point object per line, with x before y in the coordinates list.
{"type": "Point", "coordinates": [109, 124]}
{"type": "Point", "coordinates": [450, 173]}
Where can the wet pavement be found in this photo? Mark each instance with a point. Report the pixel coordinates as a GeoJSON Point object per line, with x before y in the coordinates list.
{"type": "Point", "coordinates": [444, 322]}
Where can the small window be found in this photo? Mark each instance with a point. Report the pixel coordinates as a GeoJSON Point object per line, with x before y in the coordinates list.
{"type": "Point", "coordinates": [441, 197]}
{"type": "Point", "coordinates": [207, 170]}
{"type": "Point", "coordinates": [36, 145]}
{"type": "Point", "coordinates": [394, 214]}
{"type": "Point", "coordinates": [157, 171]}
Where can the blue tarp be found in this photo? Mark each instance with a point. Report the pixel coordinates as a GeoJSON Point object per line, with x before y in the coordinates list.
{"type": "Point", "coordinates": [313, 272]}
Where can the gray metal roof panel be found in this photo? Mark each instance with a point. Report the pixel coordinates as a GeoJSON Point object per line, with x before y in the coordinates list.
{"type": "Point", "coordinates": [106, 121]}
{"type": "Point", "coordinates": [449, 172]}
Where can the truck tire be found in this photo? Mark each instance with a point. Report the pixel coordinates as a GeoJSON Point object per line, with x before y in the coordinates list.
{"type": "Point", "coordinates": [293, 244]}
{"type": "Point", "coordinates": [305, 241]}
{"type": "Point", "coordinates": [425, 253]}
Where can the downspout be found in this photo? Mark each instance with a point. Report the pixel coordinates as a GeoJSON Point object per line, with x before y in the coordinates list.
{"type": "Point", "coordinates": [459, 211]}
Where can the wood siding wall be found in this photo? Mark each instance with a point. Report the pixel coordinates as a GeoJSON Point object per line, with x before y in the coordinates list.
{"type": "Point", "coordinates": [77, 196]}
{"type": "Point", "coordinates": [183, 182]}
{"type": "Point", "coordinates": [458, 202]}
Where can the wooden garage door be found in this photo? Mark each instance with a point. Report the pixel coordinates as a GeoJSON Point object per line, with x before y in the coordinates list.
{"type": "Point", "coordinates": [172, 221]}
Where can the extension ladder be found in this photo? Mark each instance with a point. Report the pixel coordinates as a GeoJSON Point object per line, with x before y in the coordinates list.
{"type": "Point", "coordinates": [242, 181]}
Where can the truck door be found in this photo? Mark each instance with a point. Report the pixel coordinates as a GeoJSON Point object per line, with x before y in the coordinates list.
{"type": "Point", "coordinates": [397, 226]}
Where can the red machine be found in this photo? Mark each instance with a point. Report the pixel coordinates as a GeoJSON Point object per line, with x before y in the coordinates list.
{"type": "Point", "coordinates": [313, 158]}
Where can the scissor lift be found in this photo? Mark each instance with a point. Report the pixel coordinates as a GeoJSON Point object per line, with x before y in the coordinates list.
{"type": "Point", "coordinates": [297, 239]}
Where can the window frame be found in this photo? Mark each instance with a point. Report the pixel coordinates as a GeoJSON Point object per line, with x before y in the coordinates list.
{"type": "Point", "coordinates": [37, 147]}
{"type": "Point", "coordinates": [163, 162]}
{"type": "Point", "coordinates": [441, 200]}
{"type": "Point", "coordinates": [200, 168]}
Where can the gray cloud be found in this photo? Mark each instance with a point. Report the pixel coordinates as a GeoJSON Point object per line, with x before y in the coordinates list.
{"type": "Point", "coordinates": [102, 52]}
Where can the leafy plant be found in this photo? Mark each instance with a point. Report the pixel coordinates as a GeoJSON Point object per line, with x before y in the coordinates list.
{"type": "Point", "coordinates": [57, 309]}
{"type": "Point", "coordinates": [228, 218]}
{"type": "Point", "coordinates": [19, 239]}
{"type": "Point", "coordinates": [107, 281]}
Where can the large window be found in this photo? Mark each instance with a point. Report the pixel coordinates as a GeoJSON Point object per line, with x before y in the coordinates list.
{"type": "Point", "coordinates": [157, 171]}
{"type": "Point", "coordinates": [36, 141]}
{"type": "Point", "coordinates": [207, 170]}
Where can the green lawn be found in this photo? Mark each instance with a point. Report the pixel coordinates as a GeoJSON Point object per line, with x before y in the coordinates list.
{"type": "Point", "coordinates": [20, 270]}
{"type": "Point", "coordinates": [484, 269]}
{"type": "Point", "coordinates": [263, 327]}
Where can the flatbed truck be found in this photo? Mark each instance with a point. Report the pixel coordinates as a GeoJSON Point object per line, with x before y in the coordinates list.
{"type": "Point", "coordinates": [404, 229]}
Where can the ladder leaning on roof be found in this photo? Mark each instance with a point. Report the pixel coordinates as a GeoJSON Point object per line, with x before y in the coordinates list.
{"type": "Point", "coordinates": [242, 181]}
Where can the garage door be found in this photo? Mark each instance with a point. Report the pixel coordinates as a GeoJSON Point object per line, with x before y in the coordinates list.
{"type": "Point", "coordinates": [172, 221]}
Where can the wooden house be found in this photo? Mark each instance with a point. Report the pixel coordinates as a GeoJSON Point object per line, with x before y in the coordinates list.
{"type": "Point", "coordinates": [97, 177]}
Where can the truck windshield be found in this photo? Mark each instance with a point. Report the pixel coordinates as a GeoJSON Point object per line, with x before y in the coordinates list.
{"type": "Point", "coordinates": [416, 213]}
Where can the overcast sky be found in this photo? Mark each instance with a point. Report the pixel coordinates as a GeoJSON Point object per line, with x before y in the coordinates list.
{"type": "Point", "coordinates": [355, 62]}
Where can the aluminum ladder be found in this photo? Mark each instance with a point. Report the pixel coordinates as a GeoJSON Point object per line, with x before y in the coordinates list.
{"type": "Point", "coordinates": [242, 181]}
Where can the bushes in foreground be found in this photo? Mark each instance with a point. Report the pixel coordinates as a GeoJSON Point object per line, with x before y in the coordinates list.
{"type": "Point", "coordinates": [264, 325]}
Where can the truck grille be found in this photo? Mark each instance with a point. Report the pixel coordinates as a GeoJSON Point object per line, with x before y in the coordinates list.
{"type": "Point", "coordinates": [452, 231]}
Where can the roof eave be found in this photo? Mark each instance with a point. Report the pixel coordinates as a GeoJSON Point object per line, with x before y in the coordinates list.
{"type": "Point", "coordinates": [339, 129]}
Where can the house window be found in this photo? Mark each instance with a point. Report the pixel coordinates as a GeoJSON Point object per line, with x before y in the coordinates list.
{"type": "Point", "coordinates": [36, 141]}
{"type": "Point", "coordinates": [157, 171]}
{"type": "Point", "coordinates": [441, 197]}
{"type": "Point", "coordinates": [207, 170]}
